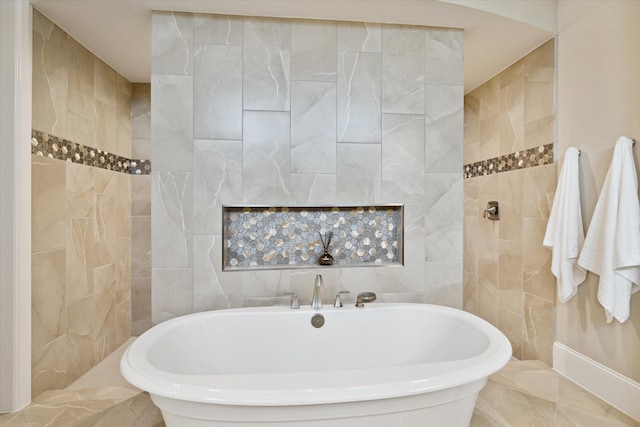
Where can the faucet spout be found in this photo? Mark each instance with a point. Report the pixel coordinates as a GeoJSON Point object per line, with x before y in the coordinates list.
{"type": "Point", "coordinates": [316, 301]}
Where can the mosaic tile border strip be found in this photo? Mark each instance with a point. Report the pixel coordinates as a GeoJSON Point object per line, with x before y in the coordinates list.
{"type": "Point", "coordinates": [539, 156]}
{"type": "Point", "coordinates": [263, 237]}
{"type": "Point", "coordinates": [43, 144]}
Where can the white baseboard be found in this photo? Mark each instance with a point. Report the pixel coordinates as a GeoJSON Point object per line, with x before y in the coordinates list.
{"type": "Point", "coordinates": [619, 391]}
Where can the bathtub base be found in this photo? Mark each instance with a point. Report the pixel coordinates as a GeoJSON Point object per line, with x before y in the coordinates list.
{"type": "Point", "coordinates": [444, 408]}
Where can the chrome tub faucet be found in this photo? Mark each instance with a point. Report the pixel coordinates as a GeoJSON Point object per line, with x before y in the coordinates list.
{"type": "Point", "coordinates": [316, 300]}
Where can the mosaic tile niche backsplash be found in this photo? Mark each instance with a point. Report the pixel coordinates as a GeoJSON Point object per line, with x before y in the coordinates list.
{"type": "Point", "coordinates": [277, 237]}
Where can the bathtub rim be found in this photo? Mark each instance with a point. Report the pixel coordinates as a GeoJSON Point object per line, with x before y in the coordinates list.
{"type": "Point", "coordinates": [328, 386]}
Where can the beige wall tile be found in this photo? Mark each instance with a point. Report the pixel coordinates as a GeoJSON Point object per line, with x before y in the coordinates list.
{"type": "Point", "coordinates": [488, 290]}
{"type": "Point", "coordinates": [77, 210]}
{"type": "Point", "coordinates": [536, 260]}
{"type": "Point", "coordinates": [79, 259]}
{"type": "Point", "coordinates": [105, 229]}
{"type": "Point", "coordinates": [49, 211]}
{"type": "Point", "coordinates": [510, 197]}
{"type": "Point", "coordinates": [79, 186]}
{"type": "Point", "coordinates": [470, 293]}
{"type": "Point", "coordinates": [48, 310]}
{"type": "Point", "coordinates": [511, 109]}
{"type": "Point", "coordinates": [123, 204]}
{"type": "Point", "coordinates": [123, 269]}
{"type": "Point", "coordinates": [123, 322]}
{"type": "Point", "coordinates": [538, 189]}
{"type": "Point", "coordinates": [49, 366]}
{"type": "Point", "coordinates": [81, 74]}
{"type": "Point", "coordinates": [537, 338]}
{"type": "Point", "coordinates": [510, 323]}
{"type": "Point", "coordinates": [49, 79]}
{"type": "Point", "coordinates": [510, 276]}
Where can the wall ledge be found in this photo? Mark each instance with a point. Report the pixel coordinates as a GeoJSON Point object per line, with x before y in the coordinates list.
{"type": "Point", "coordinates": [609, 385]}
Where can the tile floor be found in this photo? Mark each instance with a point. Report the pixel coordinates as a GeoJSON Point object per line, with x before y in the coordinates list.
{"type": "Point", "coordinates": [524, 393]}
{"type": "Point", "coordinates": [530, 393]}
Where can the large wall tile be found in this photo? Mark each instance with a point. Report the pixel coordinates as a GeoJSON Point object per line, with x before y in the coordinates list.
{"type": "Point", "coordinates": [48, 310]}
{"type": "Point", "coordinates": [49, 206]}
{"type": "Point", "coordinates": [445, 57]}
{"type": "Point", "coordinates": [217, 103]}
{"type": "Point", "coordinates": [443, 231]}
{"type": "Point", "coordinates": [172, 293]}
{"type": "Point", "coordinates": [512, 109]}
{"type": "Point", "coordinates": [81, 72]}
{"type": "Point", "coordinates": [313, 127]}
{"type": "Point", "coordinates": [359, 174]}
{"type": "Point", "coordinates": [403, 69]}
{"type": "Point", "coordinates": [265, 158]}
{"type": "Point", "coordinates": [266, 59]}
{"type": "Point", "coordinates": [359, 37]}
{"type": "Point", "coordinates": [141, 112]}
{"type": "Point", "coordinates": [510, 197]}
{"type": "Point", "coordinates": [538, 189]}
{"type": "Point", "coordinates": [172, 125]}
{"type": "Point", "coordinates": [49, 366]}
{"type": "Point", "coordinates": [217, 29]}
{"type": "Point", "coordinates": [537, 336]}
{"type": "Point", "coordinates": [359, 97]}
{"type": "Point", "coordinates": [210, 291]}
{"type": "Point", "coordinates": [172, 51]}
{"type": "Point", "coordinates": [80, 259]}
{"type": "Point", "coordinates": [313, 50]}
{"type": "Point", "coordinates": [141, 246]}
{"type": "Point", "coordinates": [403, 158]}
{"type": "Point", "coordinates": [536, 263]}
{"type": "Point", "coordinates": [313, 189]}
{"type": "Point", "coordinates": [104, 229]}
{"type": "Point", "coordinates": [217, 182]}
{"type": "Point", "coordinates": [172, 214]}
{"type": "Point", "coordinates": [49, 77]}
{"type": "Point", "coordinates": [444, 134]}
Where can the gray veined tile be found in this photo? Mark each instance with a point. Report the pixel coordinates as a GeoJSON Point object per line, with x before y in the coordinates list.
{"type": "Point", "coordinates": [172, 43]}
{"type": "Point", "coordinates": [358, 98]}
{"type": "Point", "coordinates": [403, 69]}
{"type": "Point", "coordinates": [217, 29]}
{"type": "Point", "coordinates": [443, 230]}
{"type": "Point", "coordinates": [314, 189]}
{"type": "Point", "coordinates": [210, 291]}
{"type": "Point", "coordinates": [403, 158]}
{"type": "Point", "coordinates": [266, 64]}
{"type": "Point", "coordinates": [445, 56]}
{"type": "Point", "coordinates": [217, 182]}
{"type": "Point", "coordinates": [313, 50]}
{"type": "Point", "coordinates": [265, 161]}
{"type": "Point", "coordinates": [217, 103]}
{"type": "Point", "coordinates": [172, 124]}
{"type": "Point", "coordinates": [359, 37]}
{"type": "Point", "coordinates": [172, 213]}
{"type": "Point", "coordinates": [444, 129]}
{"type": "Point", "coordinates": [359, 174]}
{"type": "Point", "coordinates": [313, 127]}
{"type": "Point", "coordinates": [172, 293]}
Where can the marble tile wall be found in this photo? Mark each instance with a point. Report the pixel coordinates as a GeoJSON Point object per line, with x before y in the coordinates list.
{"type": "Point", "coordinates": [81, 227]}
{"type": "Point", "coordinates": [507, 277]}
{"type": "Point", "coordinates": [296, 112]}
{"type": "Point", "coordinates": [141, 211]}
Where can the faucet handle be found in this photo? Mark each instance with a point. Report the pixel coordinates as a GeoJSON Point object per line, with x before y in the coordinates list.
{"type": "Point", "coordinates": [294, 300]}
{"type": "Point", "coordinates": [338, 302]}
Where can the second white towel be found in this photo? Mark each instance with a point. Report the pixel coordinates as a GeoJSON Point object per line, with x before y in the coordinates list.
{"type": "Point", "coordinates": [612, 246]}
{"type": "Point", "coordinates": [565, 234]}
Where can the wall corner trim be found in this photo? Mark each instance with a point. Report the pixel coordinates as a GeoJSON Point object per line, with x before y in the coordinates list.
{"type": "Point", "coordinates": [609, 385]}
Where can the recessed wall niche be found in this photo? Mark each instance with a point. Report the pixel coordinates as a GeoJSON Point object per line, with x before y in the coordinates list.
{"type": "Point", "coordinates": [264, 237]}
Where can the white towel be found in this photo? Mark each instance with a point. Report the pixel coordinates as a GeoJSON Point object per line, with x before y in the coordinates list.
{"type": "Point", "coordinates": [565, 234]}
{"type": "Point", "coordinates": [612, 246]}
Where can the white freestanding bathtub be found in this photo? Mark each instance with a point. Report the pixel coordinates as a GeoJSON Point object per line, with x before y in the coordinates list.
{"type": "Point", "coordinates": [387, 365]}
